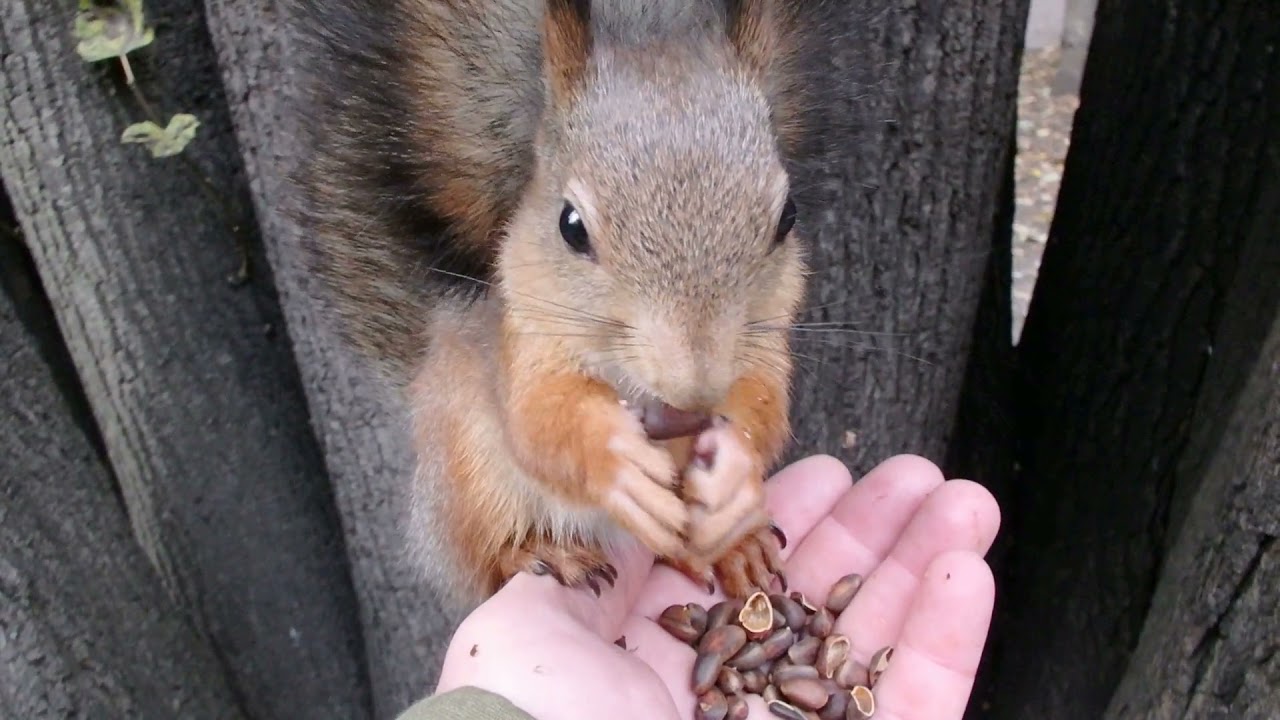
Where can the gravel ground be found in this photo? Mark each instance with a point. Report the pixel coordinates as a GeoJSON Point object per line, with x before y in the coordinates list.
{"type": "Point", "coordinates": [1044, 131]}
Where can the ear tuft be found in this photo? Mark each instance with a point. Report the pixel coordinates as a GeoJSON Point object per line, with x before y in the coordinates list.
{"type": "Point", "coordinates": [754, 30]}
{"type": "Point", "coordinates": [766, 36]}
{"type": "Point", "coordinates": [566, 46]}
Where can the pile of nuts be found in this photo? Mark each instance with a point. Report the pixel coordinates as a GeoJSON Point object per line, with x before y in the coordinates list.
{"type": "Point", "coordinates": [780, 647]}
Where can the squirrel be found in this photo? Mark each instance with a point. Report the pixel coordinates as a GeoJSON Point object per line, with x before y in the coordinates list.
{"type": "Point", "coordinates": [565, 232]}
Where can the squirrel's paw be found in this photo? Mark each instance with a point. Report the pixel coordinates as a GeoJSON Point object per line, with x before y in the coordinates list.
{"type": "Point", "coordinates": [640, 492]}
{"type": "Point", "coordinates": [574, 565]}
{"type": "Point", "coordinates": [750, 566]}
{"type": "Point", "coordinates": [724, 487]}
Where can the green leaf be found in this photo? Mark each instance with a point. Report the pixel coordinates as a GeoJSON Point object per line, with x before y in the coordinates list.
{"type": "Point", "coordinates": [166, 141]}
{"type": "Point", "coordinates": [110, 31]}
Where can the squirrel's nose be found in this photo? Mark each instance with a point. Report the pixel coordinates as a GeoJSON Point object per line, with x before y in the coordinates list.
{"type": "Point", "coordinates": [697, 386]}
{"type": "Point", "coordinates": [687, 368]}
{"type": "Point", "coordinates": [696, 401]}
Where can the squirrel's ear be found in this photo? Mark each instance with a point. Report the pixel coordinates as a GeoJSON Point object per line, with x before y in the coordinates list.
{"type": "Point", "coordinates": [765, 35]}
{"type": "Point", "coordinates": [754, 30]}
{"type": "Point", "coordinates": [566, 45]}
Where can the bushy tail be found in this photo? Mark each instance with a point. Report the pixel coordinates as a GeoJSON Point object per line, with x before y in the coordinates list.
{"type": "Point", "coordinates": [419, 121]}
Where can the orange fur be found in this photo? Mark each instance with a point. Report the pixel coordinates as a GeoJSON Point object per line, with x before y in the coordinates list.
{"type": "Point", "coordinates": [526, 455]}
{"type": "Point", "coordinates": [567, 46]}
{"type": "Point", "coordinates": [752, 31]}
{"type": "Point", "coordinates": [495, 515]}
{"type": "Point", "coordinates": [472, 212]}
{"type": "Point", "coordinates": [468, 530]}
{"type": "Point", "coordinates": [560, 426]}
{"type": "Point", "coordinates": [758, 404]}
{"type": "Point", "coordinates": [571, 433]}
{"type": "Point", "coordinates": [541, 442]}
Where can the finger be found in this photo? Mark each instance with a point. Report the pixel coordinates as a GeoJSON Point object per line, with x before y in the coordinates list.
{"type": "Point", "coordinates": [959, 515]}
{"type": "Point", "coordinates": [669, 658]}
{"type": "Point", "coordinates": [797, 497]}
{"type": "Point", "coordinates": [932, 669]}
{"type": "Point", "coordinates": [803, 493]}
{"type": "Point", "coordinates": [864, 526]}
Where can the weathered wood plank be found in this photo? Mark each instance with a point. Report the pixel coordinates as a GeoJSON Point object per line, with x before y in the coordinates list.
{"type": "Point", "coordinates": [86, 629]}
{"type": "Point", "coordinates": [197, 399]}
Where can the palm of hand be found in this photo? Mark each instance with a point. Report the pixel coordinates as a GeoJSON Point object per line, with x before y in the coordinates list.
{"type": "Point", "coordinates": [916, 539]}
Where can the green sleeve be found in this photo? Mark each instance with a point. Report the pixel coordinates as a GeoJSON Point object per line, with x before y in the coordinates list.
{"type": "Point", "coordinates": [465, 703]}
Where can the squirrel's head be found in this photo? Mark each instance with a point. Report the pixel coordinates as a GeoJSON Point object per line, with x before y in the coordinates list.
{"type": "Point", "coordinates": [656, 241]}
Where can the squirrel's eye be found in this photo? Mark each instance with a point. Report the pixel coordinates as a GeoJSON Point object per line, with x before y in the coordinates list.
{"type": "Point", "coordinates": [573, 231]}
{"type": "Point", "coordinates": [786, 221]}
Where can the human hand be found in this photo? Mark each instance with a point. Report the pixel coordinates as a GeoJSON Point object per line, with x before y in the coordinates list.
{"type": "Point", "coordinates": [916, 539]}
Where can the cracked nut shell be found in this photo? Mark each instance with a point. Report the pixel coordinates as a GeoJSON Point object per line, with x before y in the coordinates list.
{"type": "Point", "coordinates": [862, 703]}
{"type": "Point", "coordinates": [756, 615]}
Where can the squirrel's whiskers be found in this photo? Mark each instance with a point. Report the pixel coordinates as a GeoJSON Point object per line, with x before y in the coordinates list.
{"type": "Point", "coordinates": [550, 224]}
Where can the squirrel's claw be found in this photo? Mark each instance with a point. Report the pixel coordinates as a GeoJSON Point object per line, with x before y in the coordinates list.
{"type": "Point", "coordinates": [577, 567]}
{"type": "Point", "coordinates": [752, 565]}
{"type": "Point", "coordinates": [777, 532]}
{"type": "Point", "coordinates": [702, 576]}
{"type": "Point", "coordinates": [607, 573]}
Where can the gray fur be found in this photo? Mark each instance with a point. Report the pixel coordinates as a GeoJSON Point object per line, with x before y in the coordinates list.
{"type": "Point", "coordinates": [672, 136]}
{"type": "Point", "coordinates": [418, 93]}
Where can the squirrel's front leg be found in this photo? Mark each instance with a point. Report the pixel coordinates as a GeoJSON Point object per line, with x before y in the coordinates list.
{"type": "Point", "coordinates": [731, 535]}
{"type": "Point", "coordinates": [570, 432]}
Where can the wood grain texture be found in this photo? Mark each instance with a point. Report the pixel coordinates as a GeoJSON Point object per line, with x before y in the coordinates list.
{"type": "Point", "coordinates": [1154, 295]}
{"type": "Point", "coordinates": [200, 409]}
{"type": "Point", "coordinates": [898, 194]}
{"type": "Point", "coordinates": [86, 628]}
{"type": "Point", "coordinates": [362, 429]}
{"type": "Point", "coordinates": [1210, 646]}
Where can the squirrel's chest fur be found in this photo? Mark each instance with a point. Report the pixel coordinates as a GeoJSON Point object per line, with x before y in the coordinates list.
{"type": "Point", "coordinates": [469, 489]}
